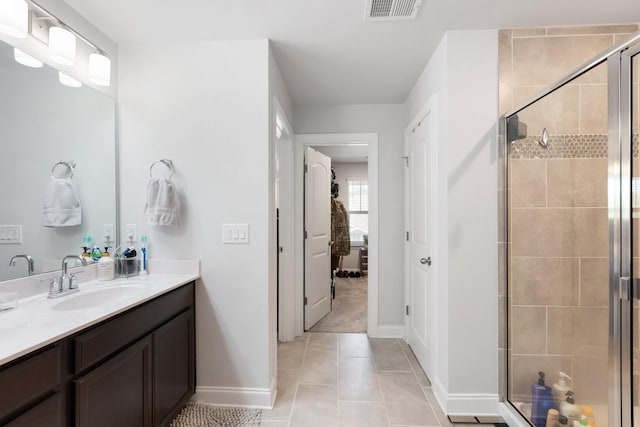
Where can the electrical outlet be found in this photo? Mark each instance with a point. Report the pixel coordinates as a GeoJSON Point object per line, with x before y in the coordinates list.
{"type": "Point", "coordinates": [132, 232]}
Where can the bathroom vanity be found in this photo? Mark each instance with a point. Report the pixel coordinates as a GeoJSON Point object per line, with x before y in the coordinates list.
{"type": "Point", "coordinates": [78, 362]}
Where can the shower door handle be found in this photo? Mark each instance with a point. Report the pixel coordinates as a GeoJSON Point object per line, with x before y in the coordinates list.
{"type": "Point", "coordinates": [629, 288]}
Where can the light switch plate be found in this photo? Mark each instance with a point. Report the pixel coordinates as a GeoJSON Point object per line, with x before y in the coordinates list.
{"type": "Point", "coordinates": [235, 233]}
{"type": "Point", "coordinates": [108, 232]}
{"type": "Point", "coordinates": [10, 234]}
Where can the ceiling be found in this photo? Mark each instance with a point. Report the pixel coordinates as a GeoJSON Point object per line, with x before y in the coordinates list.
{"type": "Point", "coordinates": [327, 53]}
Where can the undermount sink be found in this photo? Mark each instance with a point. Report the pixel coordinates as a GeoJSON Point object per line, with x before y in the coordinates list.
{"type": "Point", "coordinates": [88, 298]}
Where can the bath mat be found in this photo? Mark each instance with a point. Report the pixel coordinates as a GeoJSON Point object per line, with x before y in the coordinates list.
{"type": "Point", "coordinates": [200, 415]}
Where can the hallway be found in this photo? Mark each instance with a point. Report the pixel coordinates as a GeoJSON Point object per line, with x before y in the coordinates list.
{"type": "Point", "coordinates": [348, 380]}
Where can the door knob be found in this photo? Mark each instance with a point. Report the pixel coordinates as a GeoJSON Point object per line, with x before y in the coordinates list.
{"type": "Point", "coordinates": [425, 261]}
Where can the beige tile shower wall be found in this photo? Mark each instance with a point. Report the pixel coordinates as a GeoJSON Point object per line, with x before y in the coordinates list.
{"type": "Point", "coordinates": [558, 270]}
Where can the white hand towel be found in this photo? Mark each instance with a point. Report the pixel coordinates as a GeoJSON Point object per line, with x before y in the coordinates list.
{"type": "Point", "coordinates": [61, 204]}
{"type": "Point", "coordinates": [163, 203]}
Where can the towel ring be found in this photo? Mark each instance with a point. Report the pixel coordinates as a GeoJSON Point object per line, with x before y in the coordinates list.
{"type": "Point", "coordinates": [70, 165]}
{"type": "Point", "coordinates": [167, 162]}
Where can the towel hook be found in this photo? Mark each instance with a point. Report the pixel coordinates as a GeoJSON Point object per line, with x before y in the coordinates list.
{"type": "Point", "coordinates": [70, 165]}
{"type": "Point", "coordinates": [167, 162]}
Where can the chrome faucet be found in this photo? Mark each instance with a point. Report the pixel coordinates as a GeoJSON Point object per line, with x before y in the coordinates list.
{"type": "Point", "coordinates": [57, 287]}
{"type": "Point", "coordinates": [12, 262]}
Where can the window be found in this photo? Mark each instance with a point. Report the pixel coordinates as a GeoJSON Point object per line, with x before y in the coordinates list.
{"type": "Point", "coordinates": [358, 211]}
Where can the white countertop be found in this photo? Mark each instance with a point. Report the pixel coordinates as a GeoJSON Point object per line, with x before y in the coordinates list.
{"type": "Point", "coordinates": [39, 321]}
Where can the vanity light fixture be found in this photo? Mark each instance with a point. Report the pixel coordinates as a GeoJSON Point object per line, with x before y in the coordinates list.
{"type": "Point", "coordinates": [67, 80]}
{"type": "Point", "coordinates": [99, 69]}
{"type": "Point", "coordinates": [14, 18]}
{"type": "Point", "coordinates": [62, 46]}
{"type": "Point", "coordinates": [27, 60]}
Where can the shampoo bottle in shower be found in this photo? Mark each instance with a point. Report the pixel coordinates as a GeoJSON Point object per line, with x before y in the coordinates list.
{"type": "Point", "coordinates": [561, 388]}
{"type": "Point", "coordinates": [541, 401]}
{"type": "Point", "coordinates": [569, 409]}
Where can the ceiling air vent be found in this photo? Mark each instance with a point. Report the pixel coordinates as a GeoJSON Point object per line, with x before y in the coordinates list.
{"type": "Point", "coordinates": [391, 10]}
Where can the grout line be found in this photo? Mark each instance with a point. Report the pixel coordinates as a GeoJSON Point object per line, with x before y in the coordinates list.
{"type": "Point", "coordinates": [295, 395]}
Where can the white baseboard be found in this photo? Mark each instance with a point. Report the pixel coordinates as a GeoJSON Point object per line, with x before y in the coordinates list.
{"type": "Point", "coordinates": [510, 416]}
{"type": "Point", "coordinates": [475, 404]}
{"type": "Point", "coordinates": [262, 398]}
{"type": "Point", "coordinates": [440, 392]}
{"type": "Point", "coordinates": [390, 331]}
{"type": "Point", "coordinates": [472, 404]}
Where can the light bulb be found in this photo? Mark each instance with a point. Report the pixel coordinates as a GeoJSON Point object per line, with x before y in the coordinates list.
{"type": "Point", "coordinates": [25, 59]}
{"type": "Point", "coordinates": [99, 69]}
{"type": "Point", "coordinates": [14, 18]}
{"type": "Point", "coordinates": [62, 46]}
{"type": "Point", "coordinates": [67, 80]}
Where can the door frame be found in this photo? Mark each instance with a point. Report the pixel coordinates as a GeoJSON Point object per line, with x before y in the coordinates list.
{"type": "Point", "coordinates": [430, 108]}
{"type": "Point", "coordinates": [286, 289]}
{"type": "Point", "coordinates": [302, 141]}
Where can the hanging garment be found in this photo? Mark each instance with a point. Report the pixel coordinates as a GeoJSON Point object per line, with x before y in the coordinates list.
{"type": "Point", "coordinates": [340, 229]}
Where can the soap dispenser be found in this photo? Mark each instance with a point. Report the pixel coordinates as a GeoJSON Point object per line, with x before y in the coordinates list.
{"type": "Point", "coordinates": [561, 388]}
{"type": "Point", "coordinates": [569, 409]}
{"type": "Point", "coordinates": [106, 266]}
{"type": "Point", "coordinates": [541, 401]}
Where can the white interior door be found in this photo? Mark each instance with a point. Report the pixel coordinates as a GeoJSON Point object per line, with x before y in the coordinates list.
{"type": "Point", "coordinates": [317, 249]}
{"type": "Point", "coordinates": [419, 241]}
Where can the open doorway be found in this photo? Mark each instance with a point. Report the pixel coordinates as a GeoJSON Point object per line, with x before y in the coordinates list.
{"type": "Point", "coordinates": [349, 219]}
{"type": "Point", "coordinates": [370, 140]}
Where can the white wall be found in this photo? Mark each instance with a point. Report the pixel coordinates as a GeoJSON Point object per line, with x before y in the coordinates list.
{"type": "Point", "coordinates": [462, 74]}
{"type": "Point", "coordinates": [205, 106]}
{"type": "Point", "coordinates": [388, 121]}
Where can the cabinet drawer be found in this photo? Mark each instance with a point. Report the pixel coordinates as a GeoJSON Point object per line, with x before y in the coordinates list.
{"type": "Point", "coordinates": [104, 340]}
{"type": "Point", "coordinates": [46, 414]}
{"type": "Point", "coordinates": [29, 380]}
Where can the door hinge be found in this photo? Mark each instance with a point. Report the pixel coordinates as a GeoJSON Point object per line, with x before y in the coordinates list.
{"type": "Point", "coordinates": [305, 234]}
{"type": "Point", "coordinates": [406, 309]}
{"type": "Point", "coordinates": [406, 160]}
{"type": "Point", "coordinates": [305, 300]}
{"type": "Point", "coordinates": [407, 236]}
{"type": "Point", "coordinates": [306, 168]}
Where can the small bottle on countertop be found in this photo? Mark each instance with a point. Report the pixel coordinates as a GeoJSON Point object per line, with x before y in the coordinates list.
{"type": "Point", "coordinates": [106, 266]}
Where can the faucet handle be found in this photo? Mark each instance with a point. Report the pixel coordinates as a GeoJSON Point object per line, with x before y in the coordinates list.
{"type": "Point", "coordinates": [73, 281]}
{"type": "Point", "coordinates": [55, 287]}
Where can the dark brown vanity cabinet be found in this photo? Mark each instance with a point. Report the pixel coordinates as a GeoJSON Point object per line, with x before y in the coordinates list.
{"type": "Point", "coordinates": [136, 369]}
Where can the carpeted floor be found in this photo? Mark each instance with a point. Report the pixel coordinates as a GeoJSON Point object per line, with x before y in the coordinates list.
{"type": "Point", "coordinates": [200, 415]}
{"type": "Point", "coordinates": [349, 310]}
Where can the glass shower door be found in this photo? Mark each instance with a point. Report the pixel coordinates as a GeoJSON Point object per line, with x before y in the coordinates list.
{"type": "Point", "coordinates": [630, 118]}
{"type": "Point", "coordinates": [558, 263]}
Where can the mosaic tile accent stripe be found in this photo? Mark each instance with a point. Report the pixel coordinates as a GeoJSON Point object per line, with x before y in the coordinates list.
{"type": "Point", "coordinates": [565, 147]}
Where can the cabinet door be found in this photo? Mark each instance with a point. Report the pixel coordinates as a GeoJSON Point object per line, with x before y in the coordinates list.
{"type": "Point", "coordinates": [47, 414]}
{"type": "Point", "coordinates": [173, 367]}
{"type": "Point", "coordinates": [118, 392]}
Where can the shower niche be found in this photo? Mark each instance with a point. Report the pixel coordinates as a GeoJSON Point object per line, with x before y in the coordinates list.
{"type": "Point", "coordinates": [570, 212]}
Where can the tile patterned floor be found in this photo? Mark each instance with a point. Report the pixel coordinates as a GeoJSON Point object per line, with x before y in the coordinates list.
{"type": "Point", "coordinates": [349, 380]}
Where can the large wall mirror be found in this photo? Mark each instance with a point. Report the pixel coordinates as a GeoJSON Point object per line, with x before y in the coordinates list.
{"type": "Point", "coordinates": [42, 123]}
